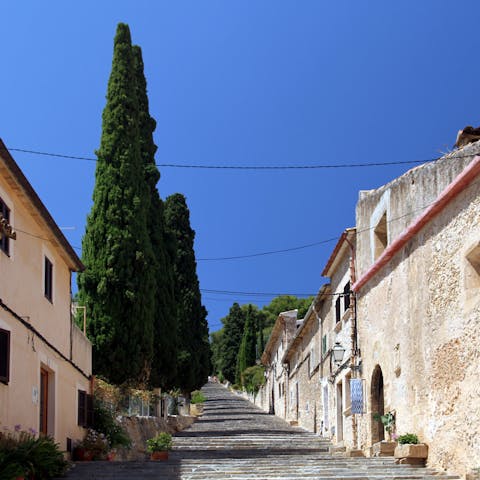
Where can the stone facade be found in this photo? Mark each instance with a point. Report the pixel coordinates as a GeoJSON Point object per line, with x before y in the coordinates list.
{"type": "Point", "coordinates": [337, 327]}
{"type": "Point", "coordinates": [419, 307]}
{"type": "Point", "coordinates": [404, 304]}
{"type": "Point", "coordinates": [275, 391]}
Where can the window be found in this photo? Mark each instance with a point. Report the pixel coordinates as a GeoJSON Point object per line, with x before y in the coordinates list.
{"type": "Point", "coordinates": [4, 356]}
{"type": "Point", "coordinates": [472, 276]}
{"type": "Point", "coordinates": [380, 236]}
{"type": "Point", "coordinates": [85, 409]}
{"type": "Point", "coordinates": [338, 309]}
{"type": "Point", "coordinates": [346, 296]}
{"type": "Point", "coordinates": [5, 241]}
{"type": "Point", "coordinates": [324, 345]}
{"type": "Point", "coordinates": [48, 280]}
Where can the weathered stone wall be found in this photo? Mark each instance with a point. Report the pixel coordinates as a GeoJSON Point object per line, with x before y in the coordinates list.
{"type": "Point", "coordinates": [418, 322]}
{"type": "Point", "coordinates": [140, 429]}
{"type": "Point", "coordinates": [310, 407]}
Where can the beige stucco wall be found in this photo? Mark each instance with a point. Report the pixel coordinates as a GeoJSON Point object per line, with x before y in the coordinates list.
{"type": "Point", "coordinates": [22, 290]}
{"type": "Point", "coordinates": [418, 323]}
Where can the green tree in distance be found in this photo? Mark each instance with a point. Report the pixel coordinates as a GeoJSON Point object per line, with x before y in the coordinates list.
{"type": "Point", "coordinates": [233, 325]}
{"type": "Point", "coordinates": [247, 353]}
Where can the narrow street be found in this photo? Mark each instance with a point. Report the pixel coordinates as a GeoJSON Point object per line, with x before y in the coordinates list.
{"type": "Point", "coordinates": [235, 440]}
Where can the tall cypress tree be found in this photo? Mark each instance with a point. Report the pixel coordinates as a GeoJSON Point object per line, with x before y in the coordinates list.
{"type": "Point", "coordinates": [193, 351]}
{"type": "Point", "coordinates": [233, 325]}
{"type": "Point", "coordinates": [247, 352]}
{"type": "Point", "coordinates": [165, 339]}
{"type": "Point", "coordinates": [118, 284]}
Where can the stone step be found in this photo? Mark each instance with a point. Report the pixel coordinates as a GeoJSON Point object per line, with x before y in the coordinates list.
{"type": "Point", "coordinates": [235, 440]}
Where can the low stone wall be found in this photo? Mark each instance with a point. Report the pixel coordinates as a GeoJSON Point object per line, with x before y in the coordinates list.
{"type": "Point", "coordinates": [140, 429]}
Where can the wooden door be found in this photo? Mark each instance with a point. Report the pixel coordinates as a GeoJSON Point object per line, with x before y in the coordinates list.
{"type": "Point", "coordinates": [43, 401]}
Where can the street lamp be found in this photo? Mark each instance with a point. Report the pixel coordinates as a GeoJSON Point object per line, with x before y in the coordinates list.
{"type": "Point", "coordinates": [338, 351]}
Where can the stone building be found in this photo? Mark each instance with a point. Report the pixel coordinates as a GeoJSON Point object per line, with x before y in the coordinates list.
{"type": "Point", "coordinates": [418, 307]}
{"type": "Point", "coordinates": [45, 359]}
{"type": "Point", "coordinates": [338, 331]}
{"type": "Point", "coordinates": [302, 358]}
{"type": "Point", "coordinates": [274, 393]}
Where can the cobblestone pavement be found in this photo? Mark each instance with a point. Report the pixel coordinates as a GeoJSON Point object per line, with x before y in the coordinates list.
{"type": "Point", "coordinates": [236, 440]}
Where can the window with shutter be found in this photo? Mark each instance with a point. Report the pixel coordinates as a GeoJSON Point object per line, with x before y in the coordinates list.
{"type": "Point", "coordinates": [346, 296]}
{"type": "Point", "coordinates": [4, 356]}
{"type": "Point", "coordinates": [48, 280]}
{"type": "Point", "coordinates": [89, 411]}
{"type": "Point", "coordinates": [82, 408]}
{"type": "Point", "coordinates": [338, 308]}
{"type": "Point", "coordinates": [4, 240]}
{"type": "Point", "coordinates": [324, 345]}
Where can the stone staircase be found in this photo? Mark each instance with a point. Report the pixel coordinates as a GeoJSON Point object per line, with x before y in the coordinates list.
{"type": "Point", "coordinates": [236, 440]}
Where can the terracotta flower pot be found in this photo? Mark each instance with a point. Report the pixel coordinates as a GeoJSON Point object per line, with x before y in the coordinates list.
{"type": "Point", "coordinates": [159, 455]}
{"type": "Point", "coordinates": [111, 456]}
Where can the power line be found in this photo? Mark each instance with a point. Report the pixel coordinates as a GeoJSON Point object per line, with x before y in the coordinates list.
{"type": "Point", "coordinates": [260, 254]}
{"type": "Point", "coordinates": [267, 294]}
{"type": "Point", "coordinates": [240, 167]}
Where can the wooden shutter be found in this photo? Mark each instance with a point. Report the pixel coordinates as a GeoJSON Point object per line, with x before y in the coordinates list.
{"type": "Point", "coordinates": [4, 356]}
{"type": "Point", "coordinates": [89, 411]}
{"type": "Point", "coordinates": [48, 279]}
{"type": "Point", "coordinates": [82, 408]}
{"type": "Point", "coordinates": [346, 296]}
{"type": "Point", "coordinates": [4, 240]}
{"type": "Point", "coordinates": [338, 313]}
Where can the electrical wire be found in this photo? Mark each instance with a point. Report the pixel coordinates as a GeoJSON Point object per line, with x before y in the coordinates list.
{"type": "Point", "coordinates": [243, 167]}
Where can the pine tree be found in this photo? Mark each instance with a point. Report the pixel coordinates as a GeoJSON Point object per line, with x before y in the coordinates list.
{"type": "Point", "coordinates": [118, 284]}
{"type": "Point", "coordinates": [232, 336]}
{"type": "Point", "coordinates": [247, 352]}
{"type": "Point", "coordinates": [165, 322]}
{"type": "Point", "coordinates": [193, 345]}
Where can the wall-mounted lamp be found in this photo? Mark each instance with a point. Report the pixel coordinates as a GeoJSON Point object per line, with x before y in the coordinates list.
{"type": "Point", "coordinates": [338, 351]}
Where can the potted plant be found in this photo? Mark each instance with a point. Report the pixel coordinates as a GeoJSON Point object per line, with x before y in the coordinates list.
{"type": "Point", "coordinates": [410, 450]}
{"type": "Point", "coordinates": [94, 446]}
{"type": "Point", "coordinates": [159, 446]}
{"type": "Point", "coordinates": [196, 403]}
{"type": "Point", "coordinates": [385, 448]}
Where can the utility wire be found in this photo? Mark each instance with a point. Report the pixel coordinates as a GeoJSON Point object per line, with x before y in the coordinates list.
{"type": "Point", "coordinates": [268, 294]}
{"type": "Point", "coordinates": [285, 250]}
{"type": "Point", "coordinates": [243, 167]}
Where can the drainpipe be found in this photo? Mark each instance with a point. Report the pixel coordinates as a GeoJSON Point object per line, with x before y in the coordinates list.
{"type": "Point", "coordinates": [354, 332]}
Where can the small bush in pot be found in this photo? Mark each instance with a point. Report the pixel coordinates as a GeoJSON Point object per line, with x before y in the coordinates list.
{"type": "Point", "coordinates": [159, 446]}
{"type": "Point", "coordinates": [408, 438]}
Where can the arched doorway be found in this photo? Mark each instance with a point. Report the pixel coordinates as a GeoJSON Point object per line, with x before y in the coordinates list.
{"type": "Point", "coordinates": [378, 404]}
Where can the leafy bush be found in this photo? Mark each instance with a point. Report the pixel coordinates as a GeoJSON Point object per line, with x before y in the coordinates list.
{"type": "Point", "coordinates": [23, 454]}
{"type": "Point", "coordinates": [160, 443]}
{"type": "Point", "coordinates": [408, 438]}
{"type": "Point", "coordinates": [197, 397]}
{"type": "Point", "coordinates": [105, 423]}
{"type": "Point", "coordinates": [253, 378]}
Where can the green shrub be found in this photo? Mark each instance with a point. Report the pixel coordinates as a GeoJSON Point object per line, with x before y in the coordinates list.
{"type": "Point", "coordinates": [106, 423]}
{"type": "Point", "coordinates": [23, 454]}
{"type": "Point", "coordinates": [197, 397]}
{"type": "Point", "coordinates": [408, 438]}
{"type": "Point", "coordinates": [160, 443]}
{"type": "Point", "coordinates": [253, 378]}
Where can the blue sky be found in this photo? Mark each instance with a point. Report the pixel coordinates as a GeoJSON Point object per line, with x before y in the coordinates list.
{"type": "Point", "coordinates": [268, 82]}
